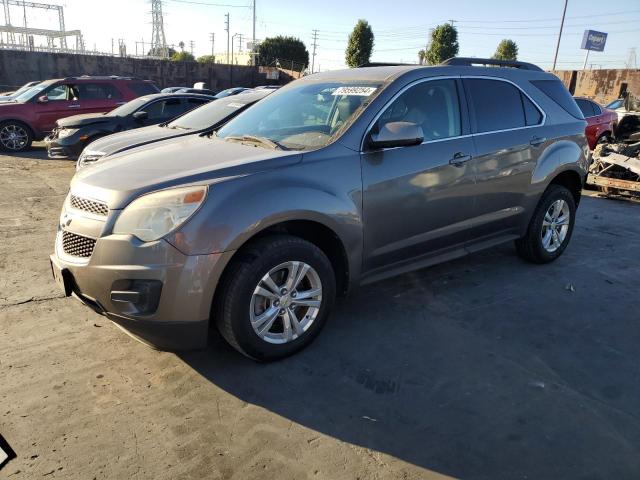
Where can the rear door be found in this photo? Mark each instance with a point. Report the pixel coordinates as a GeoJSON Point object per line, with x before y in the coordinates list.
{"type": "Point", "coordinates": [418, 200]}
{"type": "Point", "coordinates": [96, 97]}
{"type": "Point", "coordinates": [507, 137]}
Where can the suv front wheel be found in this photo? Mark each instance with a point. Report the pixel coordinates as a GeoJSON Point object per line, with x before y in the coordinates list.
{"type": "Point", "coordinates": [550, 227]}
{"type": "Point", "coordinates": [275, 297]}
{"type": "Point", "coordinates": [15, 136]}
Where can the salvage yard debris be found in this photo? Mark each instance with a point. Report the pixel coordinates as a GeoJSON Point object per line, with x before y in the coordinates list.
{"type": "Point", "coordinates": [616, 167]}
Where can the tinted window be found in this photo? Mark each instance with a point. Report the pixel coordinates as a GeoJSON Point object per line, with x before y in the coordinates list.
{"type": "Point", "coordinates": [532, 115]}
{"type": "Point", "coordinates": [586, 107]}
{"type": "Point", "coordinates": [61, 92]}
{"type": "Point", "coordinates": [432, 105]}
{"type": "Point", "coordinates": [557, 92]}
{"type": "Point", "coordinates": [596, 108]}
{"type": "Point", "coordinates": [497, 105]}
{"type": "Point", "coordinates": [143, 88]}
{"type": "Point", "coordinates": [163, 109]}
{"type": "Point", "coordinates": [97, 91]}
{"type": "Point", "coordinates": [195, 102]}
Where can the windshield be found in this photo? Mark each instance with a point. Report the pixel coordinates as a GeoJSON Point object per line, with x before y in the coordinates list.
{"type": "Point", "coordinates": [209, 114]}
{"type": "Point", "coordinates": [129, 107]}
{"type": "Point", "coordinates": [304, 117]}
{"type": "Point", "coordinates": [31, 92]}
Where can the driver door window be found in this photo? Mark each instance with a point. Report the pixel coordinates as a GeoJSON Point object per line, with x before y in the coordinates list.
{"type": "Point", "coordinates": [61, 92]}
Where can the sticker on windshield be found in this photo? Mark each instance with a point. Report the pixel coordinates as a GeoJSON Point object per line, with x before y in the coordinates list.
{"type": "Point", "coordinates": [235, 105]}
{"type": "Point", "coordinates": [357, 91]}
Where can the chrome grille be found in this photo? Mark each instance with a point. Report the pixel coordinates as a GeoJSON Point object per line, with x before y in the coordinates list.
{"type": "Point", "coordinates": [91, 206]}
{"type": "Point", "coordinates": [77, 245]}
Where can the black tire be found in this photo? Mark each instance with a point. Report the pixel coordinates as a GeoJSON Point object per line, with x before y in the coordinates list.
{"type": "Point", "coordinates": [530, 247]}
{"type": "Point", "coordinates": [23, 128]}
{"type": "Point", "coordinates": [232, 306]}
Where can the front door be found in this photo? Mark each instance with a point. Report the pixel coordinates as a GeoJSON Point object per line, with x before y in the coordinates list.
{"type": "Point", "coordinates": [59, 101]}
{"type": "Point", "coordinates": [418, 200]}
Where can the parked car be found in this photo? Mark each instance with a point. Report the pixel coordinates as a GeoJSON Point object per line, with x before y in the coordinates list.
{"type": "Point", "coordinates": [600, 121]}
{"type": "Point", "coordinates": [201, 120]}
{"type": "Point", "coordinates": [338, 179]}
{"type": "Point", "coordinates": [33, 114]}
{"type": "Point", "coordinates": [232, 91]}
{"type": "Point", "coordinates": [172, 89]}
{"type": "Point", "coordinates": [204, 91]}
{"type": "Point", "coordinates": [8, 96]}
{"type": "Point", "coordinates": [624, 106]}
{"type": "Point", "coordinates": [73, 134]}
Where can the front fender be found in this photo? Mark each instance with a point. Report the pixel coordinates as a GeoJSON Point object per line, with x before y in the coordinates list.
{"type": "Point", "coordinates": [238, 209]}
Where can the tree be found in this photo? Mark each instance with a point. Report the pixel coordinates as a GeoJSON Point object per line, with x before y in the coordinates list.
{"type": "Point", "coordinates": [360, 44]}
{"type": "Point", "coordinates": [444, 44]}
{"type": "Point", "coordinates": [207, 59]}
{"type": "Point", "coordinates": [507, 50]}
{"type": "Point", "coordinates": [283, 49]}
{"type": "Point", "coordinates": [182, 57]}
{"type": "Point", "coordinates": [181, 45]}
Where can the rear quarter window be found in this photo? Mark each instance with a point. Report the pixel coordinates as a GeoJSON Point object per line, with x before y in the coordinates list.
{"type": "Point", "coordinates": [556, 91]}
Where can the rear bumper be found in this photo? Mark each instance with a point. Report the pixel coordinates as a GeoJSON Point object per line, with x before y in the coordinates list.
{"type": "Point", "coordinates": [151, 290]}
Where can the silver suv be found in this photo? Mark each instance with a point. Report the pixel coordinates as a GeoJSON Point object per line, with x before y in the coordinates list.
{"type": "Point", "coordinates": [336, 180]}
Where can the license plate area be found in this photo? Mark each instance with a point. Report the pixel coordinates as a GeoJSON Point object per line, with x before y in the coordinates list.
{"type": "Point", "coordinates": [61, 276]}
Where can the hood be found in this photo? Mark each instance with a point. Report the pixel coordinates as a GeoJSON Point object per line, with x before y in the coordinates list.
{"type": "Point", "coordinates": [173, 162]}
{"type": "Point", "coordinates": [83, 119]}
{"type": "Point", "coordinates": [133, 138]}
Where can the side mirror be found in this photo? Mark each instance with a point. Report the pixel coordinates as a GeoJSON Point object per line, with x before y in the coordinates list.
{"type": "Point", "coordinates": [43, 99]}
{"type": "Point", "coordinates": [397, 134]}
{"type": "Point", "coordinates": [140, 116]}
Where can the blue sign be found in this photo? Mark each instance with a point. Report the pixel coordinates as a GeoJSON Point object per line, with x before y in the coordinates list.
{"type": "Point", "coordinates": [592, 40]}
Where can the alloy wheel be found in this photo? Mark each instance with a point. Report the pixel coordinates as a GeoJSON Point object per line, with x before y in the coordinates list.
{"type": "Point", "coordinates": [555, 225]}
{"type": "Point", "coordinates": [286, 302]}
{"type": "Point", "coordinates": [13, 137]}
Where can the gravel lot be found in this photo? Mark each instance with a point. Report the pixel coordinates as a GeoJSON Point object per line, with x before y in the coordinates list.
{"type": "Point", "coordinates": [482, 368]}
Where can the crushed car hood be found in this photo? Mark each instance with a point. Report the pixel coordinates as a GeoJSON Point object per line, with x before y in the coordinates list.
{"type": "Point", "coordinates": [83, 119]}
{"type": "Point", "coordinates": [133, 138]}
{"type": "Point", "coordinates": [178, 161]}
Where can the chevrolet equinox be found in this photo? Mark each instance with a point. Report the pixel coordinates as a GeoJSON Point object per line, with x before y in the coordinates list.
{"type": "Point", "coordinates": [338, 179]}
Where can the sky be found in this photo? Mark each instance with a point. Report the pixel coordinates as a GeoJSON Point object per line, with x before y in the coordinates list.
{"type": "Point", "coordinates": [401, 27]}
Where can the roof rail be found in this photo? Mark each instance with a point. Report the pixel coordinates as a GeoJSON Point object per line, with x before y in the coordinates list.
{"type": "Point", "coordinates": [470, 62]}
{"type": "Point", "coordinates": [385, 64]}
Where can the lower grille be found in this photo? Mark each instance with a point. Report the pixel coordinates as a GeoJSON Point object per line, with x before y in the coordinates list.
{"type": "Point", "coordinates": [77, 245]}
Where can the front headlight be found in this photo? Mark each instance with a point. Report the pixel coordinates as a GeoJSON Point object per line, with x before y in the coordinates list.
{"type": "Point", "coordinates": [87, 157]}
{"type": "Point", "coordinates": [65, 132]}
{"type": "Point", "coordinates": [152, 216]}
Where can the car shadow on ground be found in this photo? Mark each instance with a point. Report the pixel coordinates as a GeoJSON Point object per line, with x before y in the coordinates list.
{"type": "Point", "coordinates": [485, 367]}
{"type": "Point", "coordinates": [38, 151]}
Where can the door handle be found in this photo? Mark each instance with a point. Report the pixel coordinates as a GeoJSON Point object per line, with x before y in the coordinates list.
{"type": "Point", "coordinates": [535, 141]}
{"type": "Point", "coordinates": [460, 159]}
{"type": "Point", "coordinates": [74, 106]}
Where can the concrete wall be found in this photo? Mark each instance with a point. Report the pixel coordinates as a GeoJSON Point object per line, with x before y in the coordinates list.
{"type": "Point", "coordinates": [603, 86]}
{"type": "Point", "coordinates": [18, 67]}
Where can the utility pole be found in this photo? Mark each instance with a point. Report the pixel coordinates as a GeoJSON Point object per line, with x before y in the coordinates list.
{"type": "Point", "coordinates": [191, 45]}
{"type": "Point", "coordinates": [315, 44]}
{"type": "Point", "coordinates": [240, 43]}
{"type": "Point", "coordinates": [226, 29]}
{"type": "Point", "coordinates": [253, 57]}
{"type": "Point", "coordinates": [555, 57]}
{"type": "Point", "coordinates": [451, 22]}
{"type": "Point", "coordinates": [212, 37]}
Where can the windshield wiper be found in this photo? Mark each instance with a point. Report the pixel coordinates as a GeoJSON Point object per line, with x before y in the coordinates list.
{"type": "Point", "coordinates": [267, 142]}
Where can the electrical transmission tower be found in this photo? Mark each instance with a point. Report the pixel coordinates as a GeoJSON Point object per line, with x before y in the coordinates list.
{"type": "Point", "coordinates": [631, 59]}
{"type": "Point", "coordinates": [158, 39]}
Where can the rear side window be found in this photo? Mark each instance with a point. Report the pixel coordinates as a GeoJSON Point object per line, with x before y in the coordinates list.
{"type": "Point", "coordinates": [556, 91]}
{"type": "Point", "coordinates": [532, 115]}
{"type": "Point", "coordinates": [143, 88]}
{"type": "Point", "coordinates": [498, 105]}
{"type": "Point", "coordinates": [586, 107]}
{"type": "Point", "coordinates": [97, 91]}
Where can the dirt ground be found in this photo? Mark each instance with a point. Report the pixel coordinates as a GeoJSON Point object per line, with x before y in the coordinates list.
{"type": "Point", "coordinates": [481, 368]}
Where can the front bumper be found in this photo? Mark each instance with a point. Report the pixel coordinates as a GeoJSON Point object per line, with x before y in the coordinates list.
{"type": "Point", "coordinates": [66, 147]}
{"type": "Point", "coordinates": [151, 290]}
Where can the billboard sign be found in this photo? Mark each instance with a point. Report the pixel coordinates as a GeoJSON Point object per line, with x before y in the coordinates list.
{"type": "Point", "coordinates": [594, 41]}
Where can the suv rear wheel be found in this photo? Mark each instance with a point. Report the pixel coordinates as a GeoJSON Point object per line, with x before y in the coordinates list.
{"type": "Point", "coordinates": [275, 298]}
{"type": "Point", "coordinates": [15, 136]}
{"type": "Point", "coordinates": [550, 227]}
